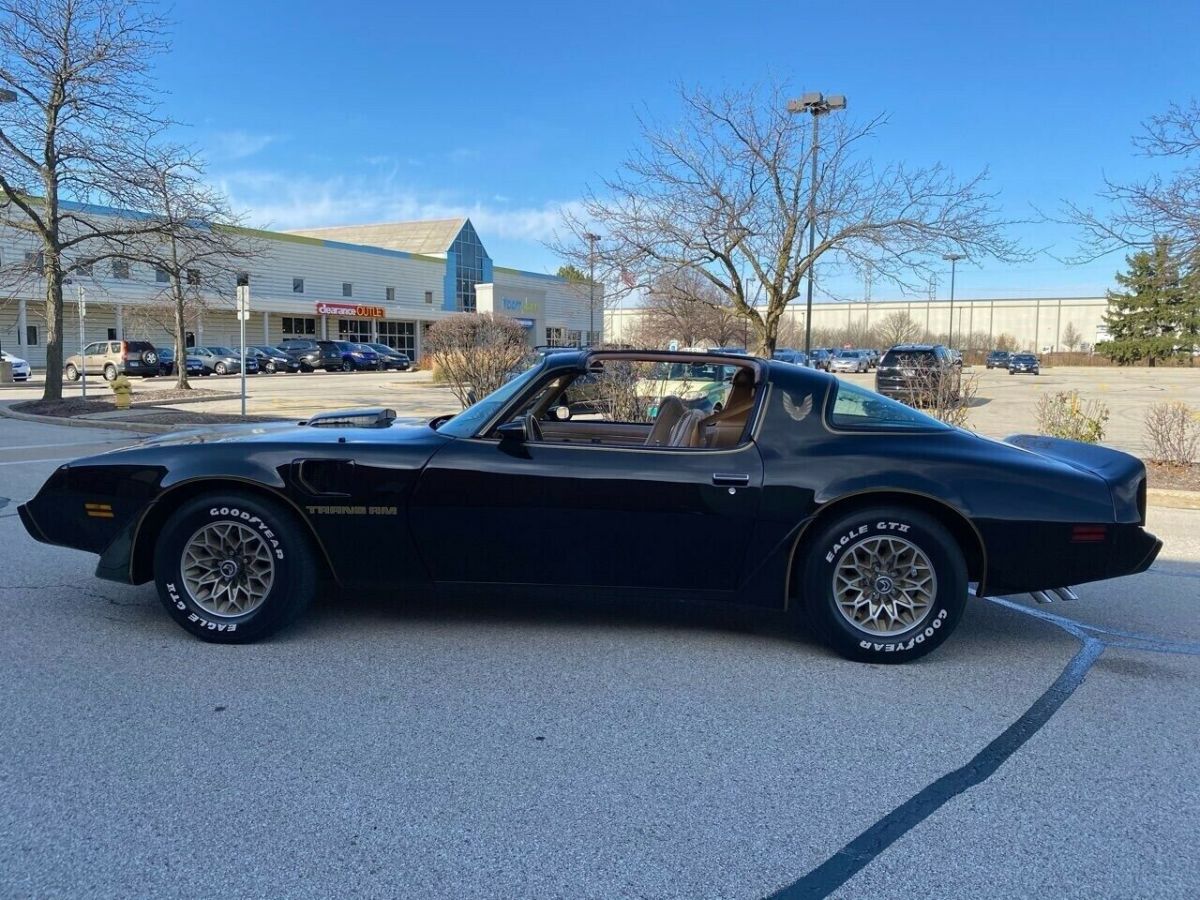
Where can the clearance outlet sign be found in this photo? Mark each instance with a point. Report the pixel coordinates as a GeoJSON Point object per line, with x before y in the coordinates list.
{"type": "Point", "coordinates": [351, 311]}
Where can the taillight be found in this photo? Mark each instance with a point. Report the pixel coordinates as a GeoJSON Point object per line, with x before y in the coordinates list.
{"type": "Point", "coordinates": [1088, 534]}
{"type": "Point", "coordinates": [124, 351]}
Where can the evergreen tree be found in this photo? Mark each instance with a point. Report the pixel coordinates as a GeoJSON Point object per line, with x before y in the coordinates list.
{"type": "Point", "coordinates": [1150, 318]}
{"type": "Point", "coordinates": [1190, 320]}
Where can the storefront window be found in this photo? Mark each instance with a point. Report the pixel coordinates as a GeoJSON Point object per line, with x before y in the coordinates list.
{"type": "Point", "coordinates": [399, 336]}
{"type": "Point", "coordinates": [357, 330]}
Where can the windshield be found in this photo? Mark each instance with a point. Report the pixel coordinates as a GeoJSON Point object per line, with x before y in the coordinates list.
{"type": "Point", "coordinates": [474, 417]}
{"type": "Point", "coordinates": [856, 407]}
{"type": "Point", "coordinates": [221, 351]}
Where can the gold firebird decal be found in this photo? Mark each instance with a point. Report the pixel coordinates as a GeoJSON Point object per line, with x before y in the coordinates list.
{"type": "Point", "coordinates": [351, 510]}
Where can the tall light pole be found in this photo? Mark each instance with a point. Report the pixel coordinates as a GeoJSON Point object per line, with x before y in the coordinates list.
{"type": "Point", "coordinates": [816, 104]}
{"type": "Point", "coordinates": [591, 239]}
{"type": "Point", "coordinates": [954, 258]}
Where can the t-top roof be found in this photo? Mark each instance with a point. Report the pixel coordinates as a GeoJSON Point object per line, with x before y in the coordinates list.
{"type": "Point", "coordinates": [429, 237]}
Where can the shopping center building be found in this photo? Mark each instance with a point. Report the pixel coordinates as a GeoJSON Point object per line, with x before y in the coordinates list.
{"type": "Point", "coordinates": [385, 283]}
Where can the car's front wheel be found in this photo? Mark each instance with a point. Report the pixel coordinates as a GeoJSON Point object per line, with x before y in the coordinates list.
{"type": "Point", "coordinates": [232, 568]}
{"type": "Point", "coordinates": [220, 368]}
{"type": "Point", "coordinates": [884, 584]}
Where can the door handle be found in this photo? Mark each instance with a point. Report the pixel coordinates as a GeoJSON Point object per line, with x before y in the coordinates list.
{"type": "Point", "coordinates": [724, 478]}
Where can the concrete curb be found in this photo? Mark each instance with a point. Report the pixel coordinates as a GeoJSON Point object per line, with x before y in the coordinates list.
{"type": "Point", "coordinates": [146, 428]}
{"type": "Point", "coordinates": [1173, 499]}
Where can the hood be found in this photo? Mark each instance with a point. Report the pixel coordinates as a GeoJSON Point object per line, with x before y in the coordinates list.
{"type": "Point", "coordinates": [402, 430]}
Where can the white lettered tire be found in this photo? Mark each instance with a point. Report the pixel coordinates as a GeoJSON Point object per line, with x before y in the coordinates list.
{"type": "Point", "coordinates": [232, 567]}
{"type": "Point", "coordinates": [884, 584]}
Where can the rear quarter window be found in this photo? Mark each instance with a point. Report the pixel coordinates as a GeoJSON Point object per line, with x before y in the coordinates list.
{"type": "Point", "coordinates": [857, 408]}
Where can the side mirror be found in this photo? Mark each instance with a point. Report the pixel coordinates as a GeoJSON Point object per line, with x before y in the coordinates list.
{"type": "Point", "coordinates": [560, 413]}
{"type": "Point", "coordinates": [513, 431]}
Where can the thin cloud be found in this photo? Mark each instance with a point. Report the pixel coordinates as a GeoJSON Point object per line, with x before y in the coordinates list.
{"type": "Point", "coordinates": [238, 144]}
{"type": "Point", "coordinates": [280, 201]}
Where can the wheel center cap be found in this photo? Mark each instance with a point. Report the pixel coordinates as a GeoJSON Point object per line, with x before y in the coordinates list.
{"type": "Point", "coordinates": [229, 569]}
{"type": "Point", "coordinates": [884, 585]}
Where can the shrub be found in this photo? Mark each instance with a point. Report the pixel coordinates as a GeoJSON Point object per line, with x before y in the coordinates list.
{"type": "Point", "coordinates": [943, 393]}
{"type": "Point", "coordinates": [1173, 433]}
{"type": "Point", "coordinates": [474, 352]}
{"type": "Point", "coordinates": [1066, 415]}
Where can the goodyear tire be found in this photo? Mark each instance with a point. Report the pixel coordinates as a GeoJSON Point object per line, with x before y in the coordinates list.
{"type": "Point", "coordinates": [233, 568]}
{"type": "Point", "coordinates": [886, 584]}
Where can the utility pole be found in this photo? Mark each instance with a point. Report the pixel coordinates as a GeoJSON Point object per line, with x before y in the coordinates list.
{"type": "Point", "coordinates": [591, 239]}
{"type": "Point", "coordinates": [953, 258]}
{"type": "Point", "coordinates": [243, 311]}
{"type": "Point", "coordinates": [816, 104]}
{"type": "Point", "coordinates": [82, 307]}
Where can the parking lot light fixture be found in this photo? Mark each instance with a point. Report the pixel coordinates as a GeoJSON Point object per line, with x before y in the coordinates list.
{"type": "Point", "coordinates": [953, 258]}
{"type": "Point", "coordinates": [815, 104]}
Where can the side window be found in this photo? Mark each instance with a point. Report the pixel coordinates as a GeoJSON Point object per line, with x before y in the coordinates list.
{"type": "Point", "coordinates": [92, 349]}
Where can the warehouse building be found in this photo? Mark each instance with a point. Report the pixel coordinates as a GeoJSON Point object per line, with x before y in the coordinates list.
{"type": "Point", "coordinates": [385, 283]}
{"type": "Point", "coordinates": [1038, 324]}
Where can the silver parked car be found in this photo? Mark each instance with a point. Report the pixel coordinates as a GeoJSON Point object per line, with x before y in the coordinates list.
{"type": "Point", "coordinates": [223, 361]}
{"type": "Point", "coordinates": [850, 361]}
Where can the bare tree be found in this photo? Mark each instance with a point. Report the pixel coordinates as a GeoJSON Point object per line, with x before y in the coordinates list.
{"type": "Point", "coordinates": [200, 247]}
{"type": "Point", "coordinates": [1158, 206]}
{"type": "Point", "coordinates": [1071, 337]}
{"type": "Point", "coordinates": [474, 353]}
{"type": "Point", "coordinates": [690, 309]}
{"type": "Point", "coordinates": [727, 191]}
{"type": "Point", "coordinates": [79, 71]}
{"type": "Point", "coordinates": [897, 328]}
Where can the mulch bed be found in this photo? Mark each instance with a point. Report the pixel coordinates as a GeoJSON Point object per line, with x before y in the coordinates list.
{"type": "Point", "coordinates": [1173, 478]}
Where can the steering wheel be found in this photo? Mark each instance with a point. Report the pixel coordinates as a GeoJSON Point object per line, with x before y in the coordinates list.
{"type": "Point", "coordinates": [533, 431]}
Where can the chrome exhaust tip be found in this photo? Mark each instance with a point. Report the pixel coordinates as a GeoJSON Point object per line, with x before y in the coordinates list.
{"type": "Point", "coordinates": [1041, 596]}
{"type": "Point", "coordinates": [1065, 593]}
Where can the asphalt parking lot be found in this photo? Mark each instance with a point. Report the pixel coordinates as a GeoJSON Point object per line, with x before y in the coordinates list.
{"type": "Point", "coordinates": [557, 750]}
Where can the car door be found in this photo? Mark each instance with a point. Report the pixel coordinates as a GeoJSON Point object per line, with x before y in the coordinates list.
{"type": "Point", "coordinates": [668, 521]}
{"type": "Point", "coordinates": [93, 357]}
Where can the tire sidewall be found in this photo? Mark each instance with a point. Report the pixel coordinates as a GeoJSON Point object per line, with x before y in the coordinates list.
{"type": "Point", "coordinates": [292, 582]}
{"type": "Point", "coordinates": [825, 552]}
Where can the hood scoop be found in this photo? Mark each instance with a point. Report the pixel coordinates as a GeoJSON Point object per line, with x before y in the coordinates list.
{"type": "Point", "coordinates": [367, 417]}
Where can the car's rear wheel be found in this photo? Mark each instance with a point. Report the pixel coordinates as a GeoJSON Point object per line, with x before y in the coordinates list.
{"type": "Point", "coordinates": [883, 584]}
{"type": "Point", "coordinates": [110, 372]}
{"type": "Point", "coordinates": [72, 373]}
{"type": "Point", "coordinates": [232, 567]}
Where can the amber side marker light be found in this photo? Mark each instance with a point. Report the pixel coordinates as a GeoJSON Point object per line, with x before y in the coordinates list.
{"type": "Point", "coordinates": [98, 510]}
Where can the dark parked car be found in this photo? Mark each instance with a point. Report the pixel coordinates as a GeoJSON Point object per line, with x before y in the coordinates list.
{"type": "Point", "coordinates": [166, 362]}
{"type": "Point", "coordinates": [391, 358]}
{"type": "Point", "coordinates": [223, 361]}
{"type": "Point", "coordinates": [821, 358]}
{"type": "Point", "coordinates": [1024, 362]}
{"type": "Point", "coordinates": [805, 493]}
{"type": "Point", "coordinates": [356, 357]}
{"type": "Point", "coordinates": [788, 355]}
{"type": "Point", "coordinates": [313, 354]}
{"type": "Point", "coordinates": [914, 372]}
{"type": "Point", "coordinates": [270, 359]}
{"type": "Point", "coordinates": [997, 359]}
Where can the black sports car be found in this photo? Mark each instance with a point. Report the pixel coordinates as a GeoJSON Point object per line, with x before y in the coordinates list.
{"type": "Point", "coordinates": [865, 519]}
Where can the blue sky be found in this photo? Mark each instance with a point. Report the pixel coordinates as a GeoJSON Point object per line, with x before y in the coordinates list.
{"type": "Point", "coordinates": [329, 113]}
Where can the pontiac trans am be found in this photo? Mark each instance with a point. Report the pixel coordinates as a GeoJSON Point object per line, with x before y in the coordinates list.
{"type": "Point", "coordinates": [868, 521]}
